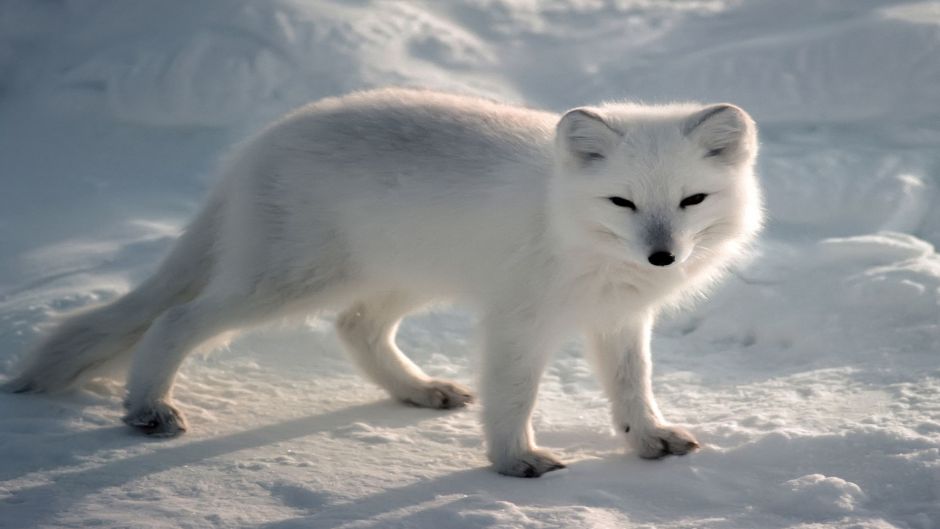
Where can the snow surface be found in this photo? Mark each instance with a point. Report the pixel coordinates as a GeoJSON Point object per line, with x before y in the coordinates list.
{"type": "Point", "coordinates": [811, 377]}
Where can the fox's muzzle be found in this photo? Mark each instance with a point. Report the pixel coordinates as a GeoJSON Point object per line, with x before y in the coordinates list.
{"type": "Point", "coordinates": [659, 238]}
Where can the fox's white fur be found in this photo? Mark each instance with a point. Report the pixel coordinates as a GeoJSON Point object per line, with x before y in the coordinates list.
{"type": "Point", "coordinates": [377, 203]}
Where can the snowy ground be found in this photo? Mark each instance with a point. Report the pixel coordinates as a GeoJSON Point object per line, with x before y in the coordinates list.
{"type": "Point", "coordinates": [812, 377]}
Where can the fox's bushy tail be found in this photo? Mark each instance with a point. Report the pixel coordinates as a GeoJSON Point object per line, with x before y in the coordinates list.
{"type": "Point", "coordinates": [95, 341]}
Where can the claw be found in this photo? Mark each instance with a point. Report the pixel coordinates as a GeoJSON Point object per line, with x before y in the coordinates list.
{"type": "Point", "coordinates": [439, 394]}
{"type": "Point", "coordinates": [662, 441]}
{"type": "Point", "coordinates": [530, 465]}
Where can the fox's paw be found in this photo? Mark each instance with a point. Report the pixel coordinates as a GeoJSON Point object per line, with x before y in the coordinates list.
{"type": "Point", "coordinates": [159, 419]}
{"type": "Point", "coordinates": [439, 394]}
{"type": "Point", "coordinates": [660, 441]}
{"type": "Point", "coordinates": [530, 464]}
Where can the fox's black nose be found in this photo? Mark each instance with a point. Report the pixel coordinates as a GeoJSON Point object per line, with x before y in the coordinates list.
{"type": "Point", "coordinates": [662, 258]}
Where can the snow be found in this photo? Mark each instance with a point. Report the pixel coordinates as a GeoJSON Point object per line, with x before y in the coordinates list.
{"type": "Point", "coordinates": [811, 377]}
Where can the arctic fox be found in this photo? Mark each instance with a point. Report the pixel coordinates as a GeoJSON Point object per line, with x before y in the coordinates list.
{"type": "Point", "coordinates": [380, 202]}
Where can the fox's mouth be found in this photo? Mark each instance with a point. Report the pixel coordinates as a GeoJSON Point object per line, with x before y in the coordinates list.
{"type": "Point", "coordinates": [653, 258]}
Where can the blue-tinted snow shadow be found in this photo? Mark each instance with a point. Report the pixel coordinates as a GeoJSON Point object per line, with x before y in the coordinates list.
{"type": "Point", "coordinates": [747, 485]}
{"type": "Point", "coordinates": [48, 433]}
{"type": "Point", "coordinates": [33, 506]}
{"type": "Point", "coordinates": [616, 482]}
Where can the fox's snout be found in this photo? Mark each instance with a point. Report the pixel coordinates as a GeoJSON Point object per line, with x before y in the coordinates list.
{"type": "Point", "coordinates": [660, 239]}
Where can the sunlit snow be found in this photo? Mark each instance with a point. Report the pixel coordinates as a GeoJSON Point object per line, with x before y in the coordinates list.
{"type": "Point", "coordinates": [812, 376]}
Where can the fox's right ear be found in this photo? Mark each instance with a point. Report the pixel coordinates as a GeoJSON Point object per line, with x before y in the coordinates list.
{"type": "Point", "coordinates": [585, 136]}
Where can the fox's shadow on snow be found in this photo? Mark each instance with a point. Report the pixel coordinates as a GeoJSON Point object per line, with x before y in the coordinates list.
{"type": "Point", "coordinates": [43, 502]}
{"type": "Point", "coordinates": [616, 481]}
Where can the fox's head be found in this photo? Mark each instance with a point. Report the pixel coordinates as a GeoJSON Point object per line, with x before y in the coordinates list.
{"type": "Point", "coordinates": [664, 187]}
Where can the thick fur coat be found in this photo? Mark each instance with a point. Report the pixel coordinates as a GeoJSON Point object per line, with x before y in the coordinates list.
{"type": "Point", "coordinates": [378, 203]}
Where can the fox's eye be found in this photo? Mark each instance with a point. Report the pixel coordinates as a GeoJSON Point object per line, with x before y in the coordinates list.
{"type": "Point", "coordinates": [714, 152]}
{"type": "Point", "coordinates": [622, 202]}
{"type": "Point", "coordinates": [592, 156]}
{"type": "Point", "coordinates": [692, 200]}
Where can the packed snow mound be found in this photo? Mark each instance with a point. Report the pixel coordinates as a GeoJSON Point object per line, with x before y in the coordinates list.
{"type": "Point", "coordinates": [810, 376]}
{"type": "Point", "coordinates": [820, 496]}
{"type": "Point", "coordinates": [237, 62]}
{"type": "Point", "coordinates": [232, 63]}
{"type": "Point", "coordinates": [843, 284]}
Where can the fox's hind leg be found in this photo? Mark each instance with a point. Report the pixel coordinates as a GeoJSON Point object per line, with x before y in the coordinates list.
{"type": "Point", "coordinates": [161, 351]}
{"type": "Point", "coordinates": [368, 328]}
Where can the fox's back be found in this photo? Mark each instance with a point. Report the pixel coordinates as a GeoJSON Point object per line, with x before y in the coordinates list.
{"type": "Point", "coordinates": [416, 182]}
{"type": "Point", "coordinates": [390, 135]}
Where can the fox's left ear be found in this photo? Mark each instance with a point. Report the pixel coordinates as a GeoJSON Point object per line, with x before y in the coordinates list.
{"type": "Point", "coordinates": [725, 132]}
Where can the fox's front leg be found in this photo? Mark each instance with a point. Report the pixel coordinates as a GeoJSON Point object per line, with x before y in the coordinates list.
{"type": "Point", "coordinates": [513, 361]}
{"type": "Point", "coordinates": [622, 361]}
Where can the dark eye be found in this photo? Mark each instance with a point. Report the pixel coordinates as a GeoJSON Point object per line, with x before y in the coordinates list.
{"type": "Point", "coordinates": [591, 156]}
{"type": "Point", "coordinates": [622, 202]}
{"type": "Point", "coordinates": [714, 152]}
{"type": "Point", "coordinates": [692, 200]}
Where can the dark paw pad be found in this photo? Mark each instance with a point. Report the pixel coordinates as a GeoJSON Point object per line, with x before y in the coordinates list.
{"type": "Point", "coordinates": [158, 420]}
{"type": "Point", "coordinates": [663, 441]}
{"type": "Point", "coordinates": [530, 465]}
{"type": "Point", "coordinates": [441, 395]}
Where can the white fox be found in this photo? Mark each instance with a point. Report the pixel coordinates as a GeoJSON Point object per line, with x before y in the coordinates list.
{"type": "Point", "coordinates": [380, 202]}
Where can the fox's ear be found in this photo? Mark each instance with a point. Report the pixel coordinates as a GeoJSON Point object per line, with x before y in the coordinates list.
{"type": "Point", "coordinates": [725, 132]}
{"type": "Point", "coordinates": [585, 136]}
